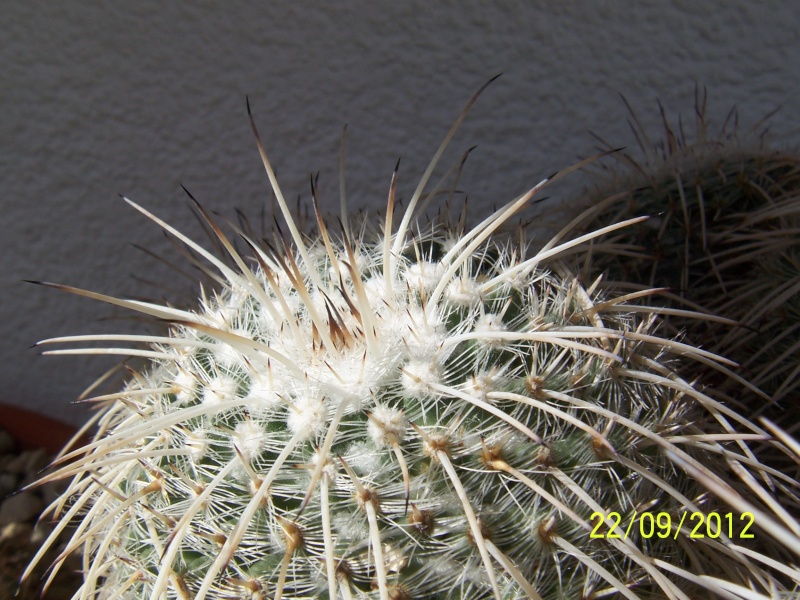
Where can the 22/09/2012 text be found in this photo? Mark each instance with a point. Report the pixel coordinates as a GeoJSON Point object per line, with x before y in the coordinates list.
{"type": "Point", "coordinates": [662, 525]}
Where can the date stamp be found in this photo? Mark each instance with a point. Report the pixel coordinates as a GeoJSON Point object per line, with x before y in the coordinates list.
{"type": "Point", "coordinates": [662, 525]}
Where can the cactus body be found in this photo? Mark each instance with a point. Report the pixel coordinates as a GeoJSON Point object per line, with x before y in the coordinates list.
{"type": "Point", "coordinates": [724, 240]}
{"type": "Point", "coordinates": [397, 415]}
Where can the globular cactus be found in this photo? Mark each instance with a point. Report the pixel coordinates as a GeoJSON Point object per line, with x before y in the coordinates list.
{"type": "Point", "coordinates": [724, 241]}
{"type": "Point", "coordinates": [424, 411]}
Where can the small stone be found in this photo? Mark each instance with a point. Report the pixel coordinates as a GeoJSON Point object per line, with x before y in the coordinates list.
{"type": "Point", "coordinates": [14, 532]}
{"type": "Point", "coordinates": [7, 444]}
{"type": "Point", "coordinates": [22, 507]}
{"type": "Point", "coordinates": [51, 491]}
{"type": "Point", "coordinates": [30, 461]}
{"type": "Point", "coordinates": [40, 533]}
{"type": "Point", "coordinates": [37, 461]}
{"type": "Point", "coordinates": [16, 465]}
{"type": "Point", "coordinates": [8, 484]}
{"type": "Point", "coordinates": [4, 460]}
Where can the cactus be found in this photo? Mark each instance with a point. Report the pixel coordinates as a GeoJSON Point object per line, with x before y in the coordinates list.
{"type": "Point", "coordinates": [425, 411]}
{"type": "Point", "coordinates": [724, 240]}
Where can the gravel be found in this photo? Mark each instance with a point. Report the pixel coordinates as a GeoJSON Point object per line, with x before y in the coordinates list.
{"type": "Point", "coordinates": [21, 535]}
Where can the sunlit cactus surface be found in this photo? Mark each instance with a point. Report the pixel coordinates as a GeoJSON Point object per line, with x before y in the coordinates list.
{"type": "Point", "coordinates": [410, 409]}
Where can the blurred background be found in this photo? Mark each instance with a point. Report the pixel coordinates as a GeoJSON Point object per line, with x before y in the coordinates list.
{"type": "Point", "coordinates": [99, 99]}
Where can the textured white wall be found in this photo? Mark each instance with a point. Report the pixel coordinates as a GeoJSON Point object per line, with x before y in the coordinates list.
{"type": "Point", "coordinates": [103, 98]}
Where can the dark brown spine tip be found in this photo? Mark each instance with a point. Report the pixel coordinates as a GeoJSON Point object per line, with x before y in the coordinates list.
{"type": "Point", "coordinates": [188, 193]}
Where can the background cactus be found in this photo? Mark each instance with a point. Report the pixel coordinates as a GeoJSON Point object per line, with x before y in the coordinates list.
{"type": "Point", "coordinates": [724, 240]}
{"type": "Point", "coordinates": [424, 411]}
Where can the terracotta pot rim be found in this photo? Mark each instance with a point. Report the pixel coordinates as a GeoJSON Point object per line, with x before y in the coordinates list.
{"type": "Point", "coordinates": [32, 430]}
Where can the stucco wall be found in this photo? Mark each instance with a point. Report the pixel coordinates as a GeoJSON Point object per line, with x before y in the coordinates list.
{"type": "Point", "coordinates": [108, 98]}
